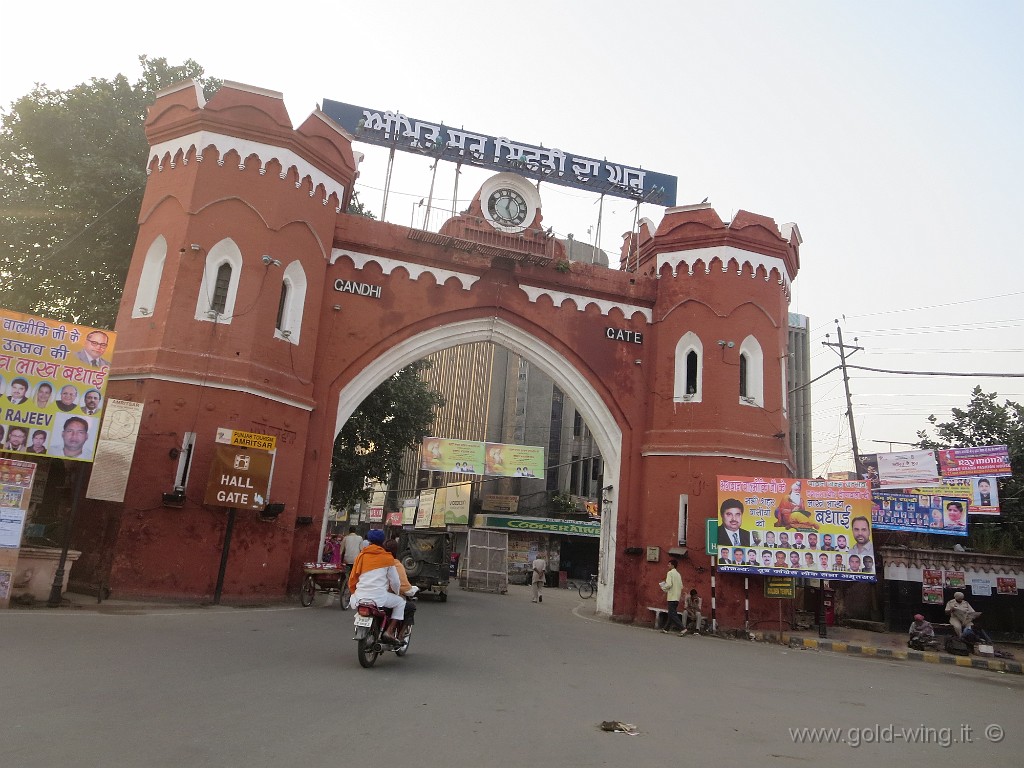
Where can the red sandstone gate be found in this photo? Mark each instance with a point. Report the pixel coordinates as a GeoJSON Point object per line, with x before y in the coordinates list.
{"type": "Point", "coordinates": [254, 303]}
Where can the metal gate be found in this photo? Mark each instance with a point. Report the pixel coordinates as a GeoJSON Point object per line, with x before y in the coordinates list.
{"type": "Point", "coordinates": [487, 556]}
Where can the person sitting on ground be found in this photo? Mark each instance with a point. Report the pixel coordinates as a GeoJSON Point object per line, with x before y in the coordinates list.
{"type": "Point", "coordinates": [960, 613]}
{"type": "Point", "coordinates": [375, 577]}
{"type": "Point", "coordinates": [921, 633]}
{"type": "Point", "coordinates": [691, 612]}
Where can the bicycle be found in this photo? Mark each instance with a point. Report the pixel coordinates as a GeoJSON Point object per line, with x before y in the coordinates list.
{"type": "Point", "coordinates": [588, 588]}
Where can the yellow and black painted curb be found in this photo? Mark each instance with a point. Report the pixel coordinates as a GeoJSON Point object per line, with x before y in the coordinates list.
{"type": "Point", "coordinates": [858, 649]}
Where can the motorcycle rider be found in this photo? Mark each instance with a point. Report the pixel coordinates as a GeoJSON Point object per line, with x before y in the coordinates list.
{"type": "Point", "coordinates": [406, 590]}
{"type": "Point", "coordinates": [372, 573]}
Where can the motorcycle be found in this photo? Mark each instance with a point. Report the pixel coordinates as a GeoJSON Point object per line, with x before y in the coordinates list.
{"type": "Point", "coordinates": [370, 620]}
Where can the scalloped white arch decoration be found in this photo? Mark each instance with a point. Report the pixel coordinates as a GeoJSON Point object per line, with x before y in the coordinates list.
{"type": "Point", "coordinates": [725, 253]}
{"type": "Point", "coordinates": [149, 281]}
{"type": "Point", "coordinates": [598, 417]}
{"type": "Point", "coordinates": [245, 148]}
{"type": "Point", "coordinates": [387, 266]}
{"type": "Point", "coordinates": [558, 297]}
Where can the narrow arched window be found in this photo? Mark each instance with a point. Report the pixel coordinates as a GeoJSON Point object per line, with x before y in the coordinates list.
{"type": "Point", "coordinates": [689, 376]}
{"type": "Point", "coordinates": [220, 289]}
{"type": "Point", "coordinates": [282, 305]}
{"type": "Point", "coordinates": [691, 372]}
{"type": "Point", "coordinates": [744, 364]}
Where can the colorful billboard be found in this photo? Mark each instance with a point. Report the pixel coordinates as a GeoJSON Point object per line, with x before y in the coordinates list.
{"type": "Point", "coordinates": [794, 527]}
{"type": "Point", "coordinates": [470, 457]}
{"type": "Point", "coordinates": [990, 460]}
{"type": "Point", "coordinates": [919, 512]}
{"type": "Point", "coordinates": [982, 492]}
{"type": "Point", "coordinates": [53, 379]}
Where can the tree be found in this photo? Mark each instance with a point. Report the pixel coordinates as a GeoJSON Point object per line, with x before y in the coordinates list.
{"type": "Point", "coordinates": [986, 422]}
{"type": "Point", "coordinates": [395, 416]}
{"type": "Point", "coordinates": [72, 175]}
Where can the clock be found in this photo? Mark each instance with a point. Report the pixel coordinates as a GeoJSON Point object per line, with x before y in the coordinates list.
{"type": "Point", "coordinates": [507, 207]}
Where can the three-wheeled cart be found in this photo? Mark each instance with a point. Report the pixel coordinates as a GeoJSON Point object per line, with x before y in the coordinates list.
{"type": "Point", "coordinates": [326, 578]}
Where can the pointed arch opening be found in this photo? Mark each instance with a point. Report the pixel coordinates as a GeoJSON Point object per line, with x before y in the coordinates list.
{"type": "Point", "coordinates": [689, 369]}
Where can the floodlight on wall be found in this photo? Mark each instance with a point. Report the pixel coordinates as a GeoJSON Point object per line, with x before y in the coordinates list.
{"type": "Point", "coordinates": [286, 334]}
{"type": "Point", "coordinates": [271, 511]}
{"type": "Point", "coordinates": [271, 262]}
{"type": "Point", "coordinates": [175, 498]}
{"type": "Point", "coordinates": [195, 247]}
{"type": "Point", "coordinates": [212, 314]}
{"type": "Point", "coordinates": [143, 311]}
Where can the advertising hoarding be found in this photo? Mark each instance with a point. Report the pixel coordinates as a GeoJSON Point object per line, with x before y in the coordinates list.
{"type": "Point", "coordinates": [795, 527]}
{"type": "Point", "coordinates": [53, 379]}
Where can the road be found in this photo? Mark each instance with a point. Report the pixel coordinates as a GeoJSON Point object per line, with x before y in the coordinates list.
{"type": "Point", "coordinates": [490, 680]}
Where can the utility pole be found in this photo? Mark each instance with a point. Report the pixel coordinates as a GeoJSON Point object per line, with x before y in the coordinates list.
{"type": "Point", "coordinates": [846, 383]}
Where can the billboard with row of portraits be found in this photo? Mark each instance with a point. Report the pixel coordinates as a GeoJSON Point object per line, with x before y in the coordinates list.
{"type": "Point", "coordinates": [919, 511]}
{"type": "Point", "coordinates": [53, 379]}
{"type": "Point", "coordinates": [471, 457]}
{"type": "Point", "coordinates": [795, 527]}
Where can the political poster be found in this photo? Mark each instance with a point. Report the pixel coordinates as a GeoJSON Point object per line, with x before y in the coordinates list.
{"type": "Point", "coordinates": [795, 527]}
{"type": "Point", "coordinates": [442, 454]}
{"type": "Point", "coordinates": [982, 493]}
{"type": "Point", "coordinates": [990, 460]}
{"type": "Point", "coordinates": [506, 460]}
{"type": "Point", "coordinates": [919, 512]}
{"type": "Point", "coordinates": [907, 469]}
{"type": "Point", "coordinates": [53, 379]}
{"type": "Point", "coordinates": [470, 457]}
{"type": "Point", "coordinates": [1006, 585]}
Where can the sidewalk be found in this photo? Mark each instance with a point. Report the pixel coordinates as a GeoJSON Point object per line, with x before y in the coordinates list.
{"type": "Point", "coordinates": [889, 645]}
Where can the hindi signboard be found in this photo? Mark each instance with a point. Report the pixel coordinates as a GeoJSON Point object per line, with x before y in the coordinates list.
{"type": "Point", "coordinates": [794, 527]}
{"type": "Point", "coordinates": [470, 457]}
{"type": "Point", "coordinates": [907, 469]}
{"type": "Point", "coordinates": [53, 379]}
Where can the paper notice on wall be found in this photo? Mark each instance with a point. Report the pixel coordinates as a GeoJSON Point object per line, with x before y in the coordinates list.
{"type": "Point", "coordinates": [114, 450]}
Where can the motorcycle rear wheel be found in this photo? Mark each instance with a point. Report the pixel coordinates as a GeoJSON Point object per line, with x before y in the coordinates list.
{"type": "Point", "coordinates": [367, 650]}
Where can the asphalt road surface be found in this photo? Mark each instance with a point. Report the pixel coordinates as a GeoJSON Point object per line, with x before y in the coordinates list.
{"type": "Point", "coordinates": [490, 680]}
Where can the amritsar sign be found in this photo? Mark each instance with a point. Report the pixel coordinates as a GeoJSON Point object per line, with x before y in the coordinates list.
{"type": "Point", "coordinates": [395, 130]}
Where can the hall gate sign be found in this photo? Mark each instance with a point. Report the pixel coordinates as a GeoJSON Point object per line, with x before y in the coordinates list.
{"type": "Point", "coordinates": [239, 477]}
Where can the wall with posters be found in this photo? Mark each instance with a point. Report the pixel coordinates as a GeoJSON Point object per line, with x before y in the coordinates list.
{"type": "Point", "coordinates": [924, 580]}
{"type": "Point", "coordinates": [262, 206]}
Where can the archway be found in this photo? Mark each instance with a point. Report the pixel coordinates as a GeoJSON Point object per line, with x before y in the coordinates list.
{"type": "Point", "coordinates": [606, 431]}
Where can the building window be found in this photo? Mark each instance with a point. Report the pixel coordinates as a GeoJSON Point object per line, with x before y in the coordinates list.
{"type": "Point", "coordinates": [689, 369]}
{"type": "Point", "coordinates": [221, 275]}
{"type": "Point", "coordinates": [149, 281]}
{"type": "Point", "coordinates": [291, 303]}
{"type": "Point", "coordinates": [751, 373]}
{"type": "Point", "coordinates": [282, 304]}
{"type": "Point", "coordinates": [220, 289]}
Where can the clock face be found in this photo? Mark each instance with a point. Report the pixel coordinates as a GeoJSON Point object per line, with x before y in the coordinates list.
{"type": "Point", "coordinates": [507, 207]}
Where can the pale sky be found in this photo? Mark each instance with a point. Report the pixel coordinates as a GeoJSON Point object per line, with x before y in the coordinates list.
{"type": "Point", "coordinates": [890, 132]}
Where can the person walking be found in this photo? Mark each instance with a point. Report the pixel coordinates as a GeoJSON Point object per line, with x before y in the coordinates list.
{"type": "Point", "coordinates": [673, 591]}
{"type": "Point", "coordinates": [540, 567]}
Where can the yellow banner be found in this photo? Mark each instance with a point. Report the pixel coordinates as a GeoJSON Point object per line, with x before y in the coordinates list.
{"type": "Point", "coordinates": [793, 527]}
{"type": "Point", "coordinates": [53, 379]}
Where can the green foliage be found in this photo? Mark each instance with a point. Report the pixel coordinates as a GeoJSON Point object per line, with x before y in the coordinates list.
{"type": "Point", "coordinates": [395, 416]}
{"type": "Point", "coordinates": [562, 504]}
{"type": "Point", "coordinates": [72, 175]}
{"type": "Point", "coordinates": [356, 207]}
{"type": "Point", "coordinates": [986, 422]}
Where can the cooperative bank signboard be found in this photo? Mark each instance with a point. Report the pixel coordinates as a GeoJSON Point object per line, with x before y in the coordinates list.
{"type": "Point", "coordinates": [539, 525]}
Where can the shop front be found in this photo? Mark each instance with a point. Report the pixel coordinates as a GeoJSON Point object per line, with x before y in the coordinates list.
{"type": "Point", "coordinates": [570, 547]}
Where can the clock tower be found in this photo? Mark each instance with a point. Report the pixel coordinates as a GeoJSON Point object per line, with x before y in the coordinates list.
{"type": "Point", "coordinates": [505, 214]}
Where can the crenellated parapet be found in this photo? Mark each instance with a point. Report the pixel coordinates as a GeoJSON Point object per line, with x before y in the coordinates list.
{"type": "Point", "coordinates": [249, 127]}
